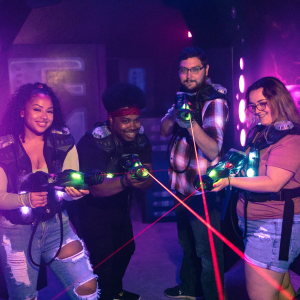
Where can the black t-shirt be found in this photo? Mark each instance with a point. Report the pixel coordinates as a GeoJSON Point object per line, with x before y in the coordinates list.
{"type": "Point", "coordinates": [104, 154]}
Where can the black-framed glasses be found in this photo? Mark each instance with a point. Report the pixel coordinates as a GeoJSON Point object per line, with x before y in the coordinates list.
{"type": "Point", "coordinates": [260, 106]}
{"type": "Point", "coordinates": [194, 70]}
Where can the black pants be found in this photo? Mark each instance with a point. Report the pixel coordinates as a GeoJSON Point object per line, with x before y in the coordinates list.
{"type": "Point", "coordinates": [104, 231]}
{"type": "Point", "coordinates": [197, 272]}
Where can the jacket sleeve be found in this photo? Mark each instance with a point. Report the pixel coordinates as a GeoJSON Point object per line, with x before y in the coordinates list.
{"type": "Point", "coordinates": [10, 201]}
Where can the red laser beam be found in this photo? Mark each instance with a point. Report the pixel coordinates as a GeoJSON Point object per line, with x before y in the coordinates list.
{"type": "Point", "coordinates": [212, 229]}
{"type": "Point", "coordinates": [210, 237]}
{"type": "Point", "coordinates": [103, 261]}
{"type": "Point", "coordinates": [267, 277]}
{"type": "Point", "coordinates": [217, 233]}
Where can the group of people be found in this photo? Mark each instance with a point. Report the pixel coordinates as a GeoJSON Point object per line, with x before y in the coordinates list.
{"type": "Point", "coordinates": [35, 226]}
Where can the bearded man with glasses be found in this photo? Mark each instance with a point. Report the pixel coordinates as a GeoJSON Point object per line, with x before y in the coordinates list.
{"type": "Point", "coordinates": [207, 117]}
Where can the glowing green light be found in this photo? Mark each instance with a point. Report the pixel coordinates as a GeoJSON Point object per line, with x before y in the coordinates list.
{"type": "Point", "coordinates": [76, 176]}
{"type": "Point", "coordinates": [188, 117]}
{"type": "Point", "coordinates": [142, 173]}
{"type": "Point", "coordinates": [109, 175]}
{"type": "Point", "coordinates": [212, 173]}
{"type": "Point", "coordinates": [186, 106]}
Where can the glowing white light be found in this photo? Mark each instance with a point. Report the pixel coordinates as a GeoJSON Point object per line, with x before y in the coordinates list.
{"type": "Point", "coordinates": [237, 96]}
{"type": "Point", "coordinates": [25, 210]}
{"type": "Point", "coordinates": [242, 107]}
{"type": "Point", "coordinates": [242, 83]}
{"type": "Point", "coordinates": [242, 63]}
{"type": "Point", "coordinates": [238, 126]}
{"type": "Point", "coordinates": [59, 195]}
{"type": "Point", "coordinates": [190, 34]}
{"type": "Point", "coordinates": [250, 172]}
{"type": "Point", "coordinates": [243, 137]}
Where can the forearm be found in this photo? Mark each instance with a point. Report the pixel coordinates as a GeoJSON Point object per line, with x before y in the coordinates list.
{"type": "Point", "coordinates": [206, 144]}
{"type": "Point", "coordinates": [259, 184]}
{"type": "Point", "coordinates": [167, 125]}
{"type": "Point", "coordinates": [109, 187]}
{"type": "Point", "coordinates": [10, 201]}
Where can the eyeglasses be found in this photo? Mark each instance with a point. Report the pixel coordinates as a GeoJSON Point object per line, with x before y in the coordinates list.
{"type": "Point", "coordinates": [194, 70]}
{"type": "Point", "coordinates": [260, 106]}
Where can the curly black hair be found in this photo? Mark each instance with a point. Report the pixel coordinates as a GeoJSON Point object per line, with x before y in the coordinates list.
{"type": "Point", "coordinates": [13, 123]}
{"type": "Point", "coordinates": [122, 95]}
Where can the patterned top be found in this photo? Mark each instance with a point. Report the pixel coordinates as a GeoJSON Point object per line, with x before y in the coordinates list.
{"type": "Point", "coordinates": [214, 116]}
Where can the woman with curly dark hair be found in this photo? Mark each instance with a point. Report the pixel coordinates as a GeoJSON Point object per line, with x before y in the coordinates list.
{"type": "Point", "coordinates": [269, 207]}
{"type": "Point", "coordinates": [34, 225]}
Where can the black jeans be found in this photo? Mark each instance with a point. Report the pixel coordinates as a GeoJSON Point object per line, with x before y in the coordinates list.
{"type": "Point", "coordinates": [104, 231]}
{"type": "Point", "coordinates": [197, 271]}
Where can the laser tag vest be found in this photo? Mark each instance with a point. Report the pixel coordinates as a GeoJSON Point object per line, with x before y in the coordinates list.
{"type": "Point", "coordinates": [261, 137]}
{"type": "Point", "coordinates": [206, 93]}
{"type": "Point", "coordinates": [16, 164]}
{"type": "Point", "coordinates": [105, 141]}
{"type": "Point", "coordinates": [101, 137]}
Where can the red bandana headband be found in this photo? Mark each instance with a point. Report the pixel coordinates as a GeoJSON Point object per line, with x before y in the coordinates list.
{"type": "Point", "coordinates": [125, 112]}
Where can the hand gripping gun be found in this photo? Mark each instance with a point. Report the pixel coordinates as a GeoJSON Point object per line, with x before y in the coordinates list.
{"type": "Point", "coordinates": [183, 106]}
{"type": "Point", "coordinates": [132, 164]}
{"type": "Point", "coordinates": [41, 181]}
{"type": "Point", "coordinates": [53, 183]}
{"type": "Point", "coordinates": [229, 165]}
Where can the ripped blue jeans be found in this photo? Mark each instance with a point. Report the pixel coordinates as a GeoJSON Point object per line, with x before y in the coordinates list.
{"type": "Point", "coordinates": [262, 243]}
{"type": "Point", "coordinates": [21, 275]}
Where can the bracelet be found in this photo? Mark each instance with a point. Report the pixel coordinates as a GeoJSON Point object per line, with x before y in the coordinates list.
{"type": "Point", "coordinates": [122, 182]}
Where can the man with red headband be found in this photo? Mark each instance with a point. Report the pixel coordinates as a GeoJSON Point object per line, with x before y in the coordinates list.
{"type": "Point", "coordinates": [104, 215]}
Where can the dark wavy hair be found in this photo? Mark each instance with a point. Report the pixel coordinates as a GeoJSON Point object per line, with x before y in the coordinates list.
{"type": "Point", "coordinates": [190, 52]}
{"type": "Point", "coordinates": [280, 101]}
{"type": "Point", "coordinates": [122, 95]}
{"type": "Point", "coordinates": [13, 123]}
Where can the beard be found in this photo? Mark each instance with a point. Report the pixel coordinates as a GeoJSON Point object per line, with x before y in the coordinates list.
{"type": "Point", "coordinates": [195, 89]}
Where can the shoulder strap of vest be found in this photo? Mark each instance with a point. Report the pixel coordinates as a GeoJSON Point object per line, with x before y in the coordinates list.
{"type": "Point", "coordinates": [251, 135]}
{"type": "Point", "coordinates": [6, 141]}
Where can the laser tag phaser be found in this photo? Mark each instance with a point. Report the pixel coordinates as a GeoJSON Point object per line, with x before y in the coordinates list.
{"type": "Point", "coordinates": [184, 107]}
{"type": "Point", "coordinates": [229, 165]}
{"type": "Point", "coordinates": [132, 163]}
{"type": "Point", "coordinates": [41, 181]}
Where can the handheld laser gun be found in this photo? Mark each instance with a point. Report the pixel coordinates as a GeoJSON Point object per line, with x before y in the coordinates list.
{"type": "Point", "coordinates": [41, 181]}
{"type": "Point", "coordinates": [132, 163]}
{"type": "Point", "coordinates": [183, 107]}
{"type": "Point", "coordinates": [229, 165]}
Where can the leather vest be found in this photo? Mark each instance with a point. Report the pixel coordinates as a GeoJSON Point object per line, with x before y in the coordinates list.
{"type": "Point", "coordinates": [206, 93]}
{"type": "Point", "coordinates": [16, 163]}
{"type": "Point", "coordinates": [105, 141]}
